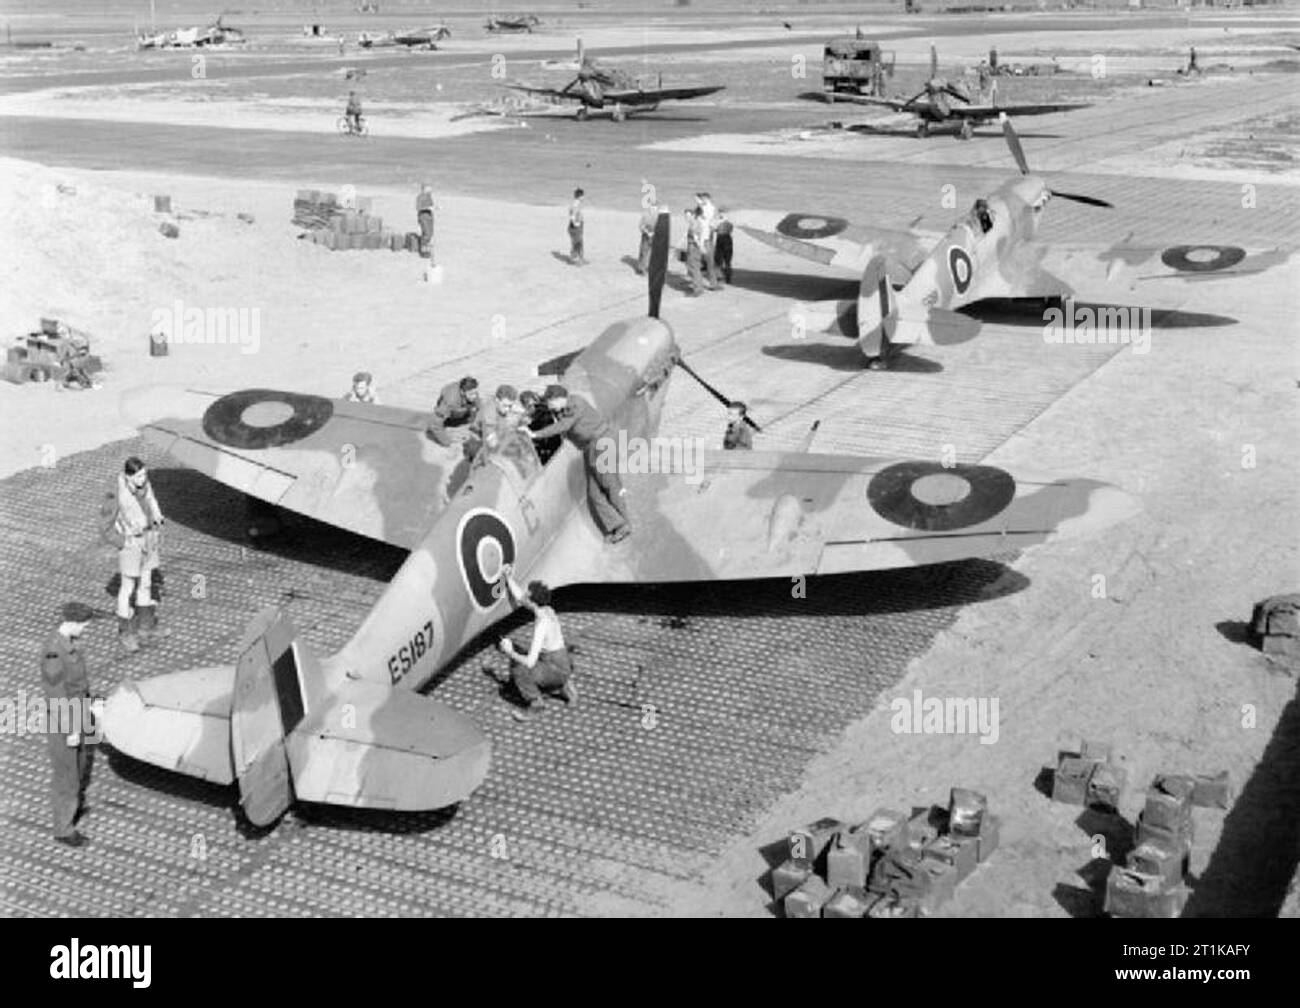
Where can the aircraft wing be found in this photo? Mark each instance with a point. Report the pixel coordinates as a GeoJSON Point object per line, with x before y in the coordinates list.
{"type": "Point", "coordinates": [553, 92]}
{"type": "Point", "coordinates": [1100, 271]}
{"type": "Point", "coordinates": [652, 95]}
{"type": "Point", "coordinates": [367, 469]}
{"type": "Point", "coordinates": [831, 241]}
{"type": "Point", "coordinates": [957, 110]}
{"type": "Point", "coordinates": [756, 514]}
{"type": "Point", "coordinates": [859, 99]}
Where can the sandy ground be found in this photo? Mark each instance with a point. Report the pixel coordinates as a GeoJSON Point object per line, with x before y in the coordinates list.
{"type": "Point", "coordinates": [1154, 667]}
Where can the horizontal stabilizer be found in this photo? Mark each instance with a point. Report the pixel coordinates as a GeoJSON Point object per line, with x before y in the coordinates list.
{"type": "Point", "coordinates": [376, 747]}
{"type": "Point", "coordinates": [179, 721]}
{"type": "Point", "coordinates": [940, 327]}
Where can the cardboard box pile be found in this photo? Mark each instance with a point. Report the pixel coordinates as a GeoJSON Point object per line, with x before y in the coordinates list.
{"type": "Point", "coordinates": [328, 222]}
{"type": "Point", "coordinates": [1153, 883]}
{"type": "Point", "coordinates": [889, 865]}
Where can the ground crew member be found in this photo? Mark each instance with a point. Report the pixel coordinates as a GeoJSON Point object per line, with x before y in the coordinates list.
{"type": "Point", "coordinates": [507, 422]}
{"type": "Point", "coordinates": [363, 389]}
{"type": "Point", "coordinates": [456, 421]}
{"type": "Point", "coordinates": [695, 232]}
{"type": "Point", "coordinates": [1191, 62]}
{"type": "Point", "coordinates": [139, 521]}
{"type": "Point", "coordinates": [985, 78]}
{"type": "Point", "coordinates": [547, 667]}
{"type": "Point", "coordinates": [458, 406]}
{"type": "Point", "coordinates": [649, 218]}
{"type": "Point", "coordinates": [353, 112]}
{"type": "Point", "coordinates": [738, 434]}
{"type": "Point", "coordinates": [536, 416]}
{"type": "Point", "coordinates": [993, 60]}
{"type": "Point", "coordinates": [709, 212]}
{"type": "Point", "coordinates": [586, 428]}
{"type": "Point", "coordinates": [723, 247]}
{"type": "Point", "coordinates": [63, 671]}
{"type": "Point", "coordinates": [424, 215]}
{"type": "Point", "coordinates": [577, 253]}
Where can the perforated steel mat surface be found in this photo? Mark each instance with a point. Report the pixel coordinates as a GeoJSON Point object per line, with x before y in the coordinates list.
{"type": "Point", "coordinates": [700, 705]}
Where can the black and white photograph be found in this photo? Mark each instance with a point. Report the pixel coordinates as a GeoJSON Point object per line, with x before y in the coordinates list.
{"type": "Point", "coordinates": [651, 459]}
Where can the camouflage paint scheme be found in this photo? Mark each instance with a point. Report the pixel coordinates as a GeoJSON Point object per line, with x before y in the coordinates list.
{"type": "Point", "coordinates": [350, 729]}
{"type": "Point", "coordinates": [908, 295]}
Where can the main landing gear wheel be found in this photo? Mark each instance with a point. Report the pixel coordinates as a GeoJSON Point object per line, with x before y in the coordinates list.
{"type": "Point", "coordinates": [619, 114]}
{"type": "Point", "coordinates": [967, 130]}
{"type": "Point", "coordinates": [582, 113]}
{"type": "Point", "coordinates": [922, 130]}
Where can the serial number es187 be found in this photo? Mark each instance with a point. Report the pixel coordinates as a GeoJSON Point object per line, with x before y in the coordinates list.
{"type": "Point", "coordinates": [411, 652]}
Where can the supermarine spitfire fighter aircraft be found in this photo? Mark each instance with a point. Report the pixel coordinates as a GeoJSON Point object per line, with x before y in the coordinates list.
{"type": "Point", "coordinates": [350, 729]}
{"type": "Point", "coordinates": [941, 103]}
{"type": "Point", "coordinates": [598, 86]}
{"type": "Point", "coordinates": [913, 282]}
{"type": "Point", "coordinates": [411, 38]}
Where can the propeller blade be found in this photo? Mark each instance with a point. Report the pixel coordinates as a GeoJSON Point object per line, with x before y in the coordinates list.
{"type": "Point", "coordinates": [658, 271]}
{"type": "Point", "coordinates": [1013, 142]}
{"type": "Point", "coordinates": [957, 93]}
{"type": "Point", "coordinates": [712, 391]}
{"type": "Point", "coordinates": [1088, 200]}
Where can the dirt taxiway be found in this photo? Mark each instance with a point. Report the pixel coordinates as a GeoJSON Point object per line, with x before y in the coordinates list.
{"type": "Point", "coordinates": [714, 717]}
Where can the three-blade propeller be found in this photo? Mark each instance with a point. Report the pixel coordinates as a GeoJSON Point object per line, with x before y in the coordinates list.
{"type": "Point", "coordinates": [1018, 152]}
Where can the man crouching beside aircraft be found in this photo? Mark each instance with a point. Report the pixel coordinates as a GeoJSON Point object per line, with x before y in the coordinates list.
{"type": "Point", "coordinates": [586, 428]}
{"type": "Point", "coordinates": [547, 667]}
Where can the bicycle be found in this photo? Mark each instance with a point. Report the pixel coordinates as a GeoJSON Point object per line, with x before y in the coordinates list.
{"type": "Point", "coordinates": [345, 127]}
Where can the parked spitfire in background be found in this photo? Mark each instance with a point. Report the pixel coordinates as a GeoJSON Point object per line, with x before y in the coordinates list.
{"type": "Point", "coordinates": [411, 38]}
{"type": "Point", "coordinates": [909, 291]}
{"type": "Point", "coordinates": [599, 86]}
{"type": "Point", "coordinates": [942, 103]}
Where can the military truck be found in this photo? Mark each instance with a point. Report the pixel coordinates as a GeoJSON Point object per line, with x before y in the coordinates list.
{"type": "Point", "coordinates": [856, 65]}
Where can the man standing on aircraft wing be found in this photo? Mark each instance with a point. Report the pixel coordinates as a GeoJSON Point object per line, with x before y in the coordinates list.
{"type": "Point", "coordinates": [586, 428]}
{"type": "Point", "coordinates": [457, 409]}
{"type": "Point", "coordinates": [547, 667]}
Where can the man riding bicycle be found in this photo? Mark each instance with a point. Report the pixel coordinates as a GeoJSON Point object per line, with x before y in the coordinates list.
{"type": "Point", "coordinates": [353, 112]}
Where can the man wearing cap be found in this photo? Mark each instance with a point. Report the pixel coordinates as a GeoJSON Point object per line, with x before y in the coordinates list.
{"type": "Point", "coordinates": [424, 215]}
{"type": "Point", "coordinates": [737, 434]}
{"type": "Point", "coordinates": [586, 428]}
{"type": "Point", "coordinates": [363, 389]}
{"type": "Point", "coordinates": [63, 671]}
{"type": "Point", "coordinates": [139, 522]}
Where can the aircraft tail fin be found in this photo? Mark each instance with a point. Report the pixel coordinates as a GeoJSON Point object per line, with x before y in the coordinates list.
{"type": "Point", "coordinates": [883, 320]}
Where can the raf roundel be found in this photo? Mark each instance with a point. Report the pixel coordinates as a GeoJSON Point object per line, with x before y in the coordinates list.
{"type": "Point", "coordinates": [484, 545]}
{"type": "Point", "coordinates": [928, 497]}
{"type": "Point", "coordinates": [1202, 258]}
{"type": "Point", "coordinates": [263, 418]}
{"type": "Point", "coordinates": [959, 265]}
{"type": "Point", "coordinates": [808, 226]}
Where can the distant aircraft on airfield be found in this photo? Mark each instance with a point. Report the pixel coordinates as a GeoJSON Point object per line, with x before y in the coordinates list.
{"type": "Point", "coordinates": [514, 23]}
{"type": "Point", "coordinates": [910, 291]}
{"type": "Point", "coordinates": [190, 38]}
{"type": "Point", "coordinates": [350, 729]}
{"type": "Point", "coordinates": [411, 38]}
{"type": "Point", "coordinates": [941, 103]}
{"type": "Point", "coordinates": [598, 86]}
